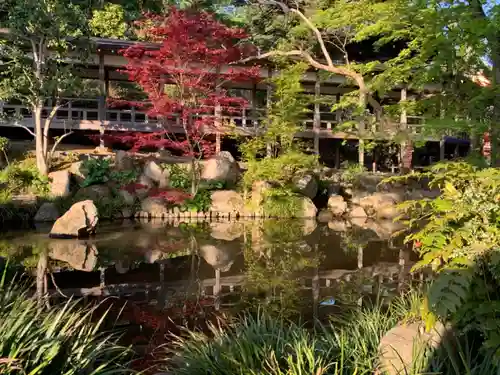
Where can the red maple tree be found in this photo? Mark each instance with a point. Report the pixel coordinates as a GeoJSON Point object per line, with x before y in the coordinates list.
{"type": "Point", "coordinates": [184, 70]}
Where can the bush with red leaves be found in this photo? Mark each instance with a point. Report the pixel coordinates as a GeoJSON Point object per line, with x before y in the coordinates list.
{"type": "Point", "coordinates": [183, 79]}
{"type": "Point", "coordinates": [171, 196]}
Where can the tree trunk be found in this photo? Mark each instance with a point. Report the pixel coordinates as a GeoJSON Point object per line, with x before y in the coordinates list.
{"type": "Point", "coordinates": [194, 177]}
{"type": "Point", "coordinates": [41, 161]}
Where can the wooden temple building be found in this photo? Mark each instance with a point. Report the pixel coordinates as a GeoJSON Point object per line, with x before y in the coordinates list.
{"type": "Point", "coordinates": [102, 69]}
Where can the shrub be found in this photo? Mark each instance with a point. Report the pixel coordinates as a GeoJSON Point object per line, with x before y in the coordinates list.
{"type": "Point", "coordinates": [58, 340]}
{"type": "Point", "coordinates": [282, 202]}
{"type": "Point", "coordinates": [201, 202]}
{"type": "Point", "coordinates": [98, 171]}
{"type": "Point", "coordinates": [23, 177]}
{"type": "Point", "coordinates": [179, 177]}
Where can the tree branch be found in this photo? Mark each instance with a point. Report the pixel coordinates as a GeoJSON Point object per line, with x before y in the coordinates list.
{"type": "Point", "coordinates": [58, 140]}
{"type": "Point", "coordinates": [46, 127]}
{"type": "Point", "coordinates": [309, 24]}
{"type": "Point", "coordinates": [25, 128]}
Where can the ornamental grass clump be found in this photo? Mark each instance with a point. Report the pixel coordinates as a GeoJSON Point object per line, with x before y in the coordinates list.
{"type": "Point", "coordinates": [60, 340]}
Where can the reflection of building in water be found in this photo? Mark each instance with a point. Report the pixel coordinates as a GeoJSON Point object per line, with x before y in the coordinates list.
{"type": "Point", "coordinates": [163, 280]}
{"type": "Point", "coordinates": [227, 262]}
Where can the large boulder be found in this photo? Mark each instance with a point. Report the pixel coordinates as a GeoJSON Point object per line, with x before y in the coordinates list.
{"type": "Point", "coordinates": [388, 212]}
{"type": "Point", "coordinates": [222, 167]}
{"type": "Point", "coordinates": [306, 185]}
{"type": "Point", "coordinates": [157, 174]}
{"type": "Point", "coordinates": [381, 202]}
{"type": "Point", "coordinates": [94, 192]}
{"type": "Point", "coordinates": [123, 161]}
{"type": "Point", "coordinates": [337, 205]}
{"type": "Point", "coordinates": [227, 202]}
{"type": "Point", "coordinates": [156, 207]}
{"type": "Point", "coordinates": [402, 344]}
{"type": "Point", "coordinates": [47, 212]}
{"type": "Point", "coordinates": [60, 183]}
{"type": "Point", "coordinates": [309, 209]}
{"type": "Point", "coordinates": [358, 212]}
{"type": "Point", "coordinates": [79, 221]}
{"type": "Point", "coordinates": [379, 199]}
{"type": "Point", "coordinates": [79, 255]}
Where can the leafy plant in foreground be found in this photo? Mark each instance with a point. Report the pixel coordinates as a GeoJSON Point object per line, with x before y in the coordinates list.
{"type": "Point", "coordinates": [59, 340]}
{"type": "Point", "coordinates": [460, 241]}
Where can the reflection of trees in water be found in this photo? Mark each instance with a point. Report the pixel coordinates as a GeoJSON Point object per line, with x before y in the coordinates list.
{"type": "Point", "coordinates": [275, 256]}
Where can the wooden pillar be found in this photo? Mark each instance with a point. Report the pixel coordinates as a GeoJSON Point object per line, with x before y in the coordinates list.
{"type": "Point", "coordinates": [406, 148]}
{"type": "Point", "coordinates": [254, 112]}
{"type": "Point", "coordinates": [269, 98]}
{"type": "Point", "coordinates": [102, 98]}
{"type": "Point", "coordinates": [361, 152]}
{"type": "Point", "coordinates": [317, 114]}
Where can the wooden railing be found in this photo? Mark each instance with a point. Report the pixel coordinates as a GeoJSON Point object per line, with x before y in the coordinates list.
{"type": "Point", "coordinates": [74, 117]}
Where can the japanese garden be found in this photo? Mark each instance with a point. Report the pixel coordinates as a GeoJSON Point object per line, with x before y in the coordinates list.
{"type": "Point", "coordinates": [249, 187]}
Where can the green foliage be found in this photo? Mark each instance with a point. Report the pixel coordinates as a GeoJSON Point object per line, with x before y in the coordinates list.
{"type": "Point", "coordinates": [179, 177]}
{"type": "Point", "coordinates": [59, 340]}
{"type": "Point", "coordinates": [279, 170]}
{"type": "Point", "coordinates": [201, 202]}
{"type": "Point", "coordinates": [460, 241]}
{"type": "Point", "coordinates": [213, 185]}
{"type": "Point", "coordinates": [22, 178]}
{"type": "Point", "coordinates": [110, 208]}
{"type": "Point", "coordinates": [351, 172]}
{"type": "Point", "coordinates": [42, 37]}
{"type": "Point", "coordinates": [281, 202]}
{"type": "Point", "coordinates": [284, 158]}
{"type": "Point", "coordinates": [98, 171]}
{"type": "Point", "coordinates": [46, 24]}
{"type": "Point", "coordinates": [122, 178]}
{"type": "Point", "coordinates": [108, 22]}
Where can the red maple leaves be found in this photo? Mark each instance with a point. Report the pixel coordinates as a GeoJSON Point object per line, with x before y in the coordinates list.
{"type": "Point", "coordinates": [185, 75]}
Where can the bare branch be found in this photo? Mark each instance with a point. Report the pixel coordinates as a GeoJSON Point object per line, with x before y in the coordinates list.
{"type": "Point", "coordinates": [58, 140]}
{"type": "Point", "coordinates": [309, 24]}
{"type": "Point", "coordinates": [46, 127]}
{"type": "Point", "coordinates": [25, 128]}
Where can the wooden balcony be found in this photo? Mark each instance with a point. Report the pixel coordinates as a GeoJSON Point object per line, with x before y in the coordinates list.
{"type": "Point", "coordinates": [87, 118]}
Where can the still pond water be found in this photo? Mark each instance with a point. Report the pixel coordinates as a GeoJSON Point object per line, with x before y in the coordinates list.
{"type": "Point", "coordinates": [292, 265]}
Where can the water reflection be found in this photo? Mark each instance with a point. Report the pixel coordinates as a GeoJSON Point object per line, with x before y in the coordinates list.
{"type": "Point", "coordinates": [285, 266]}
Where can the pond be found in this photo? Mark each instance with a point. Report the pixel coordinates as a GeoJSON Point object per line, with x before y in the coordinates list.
{"type": "Point", "coordinates": [291, 265]}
